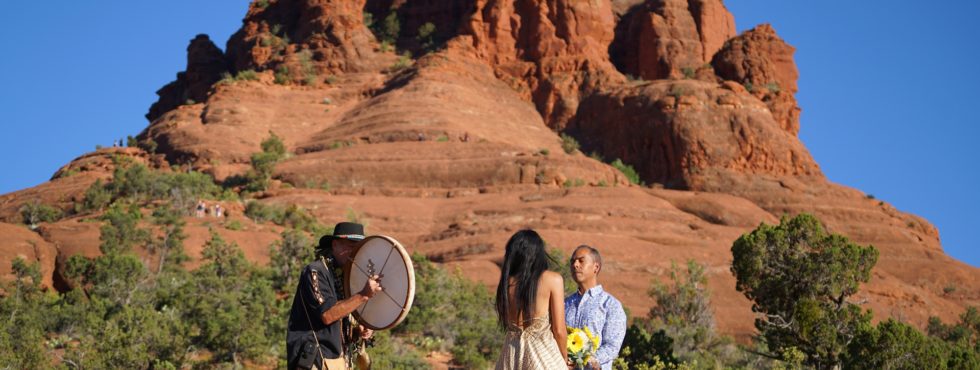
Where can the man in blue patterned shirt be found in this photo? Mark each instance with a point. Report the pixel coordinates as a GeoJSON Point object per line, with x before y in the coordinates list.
{"type": "Point", "coordinates": [593, 307]}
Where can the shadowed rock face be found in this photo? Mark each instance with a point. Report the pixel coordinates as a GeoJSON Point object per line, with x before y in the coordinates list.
{"type": "Point", "coordinates": [659, 39]}
{"type": "Point", "coordinates": [205, 65]}
{"type": "Point", "coordinates": [454, 150]}
{"type": "Point", "coordinates": [761, 61]}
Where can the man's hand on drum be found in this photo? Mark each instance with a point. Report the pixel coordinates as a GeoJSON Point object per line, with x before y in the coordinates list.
{"type": "Point", "coordinates": [372, 286]}
{"type": "Point", "coordinates": [366, 333]}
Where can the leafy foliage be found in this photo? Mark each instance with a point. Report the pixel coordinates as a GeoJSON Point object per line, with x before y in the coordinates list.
{"type": "Point", "coordinates": [799, 278]}
{"type": "Point", "coordinates": [264, 162]}
{"type": "Point", "coordinates": [35, 212]}
{"type": "Point", "coordinates": [569, 144]}
{"type": "Point", "coordinates": [457, 312]}
{"type": "Point", "coordinates": [426, 36]}
{"type": "Point", "coordinates": [292, 216]}
{"type": "Point", "coordinates": [627, 171]}
{"type": "Point", "coordinates": [894, 345]}
{"type": "Point", "coordinates": [680, 331]}
{"type": "Point", "coordinates": [138, 184]}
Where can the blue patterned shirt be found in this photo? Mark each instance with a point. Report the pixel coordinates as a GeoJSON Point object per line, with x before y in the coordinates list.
{"type": "Point", "coordinates": [604, 316]}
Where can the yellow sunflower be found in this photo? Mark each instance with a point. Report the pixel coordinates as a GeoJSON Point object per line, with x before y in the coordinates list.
{"type": "Point", "coordinates": [593, 340]}
{"type": "Point", "coordinates": [576, 341]}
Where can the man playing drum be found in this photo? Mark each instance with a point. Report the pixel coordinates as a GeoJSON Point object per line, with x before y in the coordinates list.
{"type": "Point", "coordinates": [319, 328]}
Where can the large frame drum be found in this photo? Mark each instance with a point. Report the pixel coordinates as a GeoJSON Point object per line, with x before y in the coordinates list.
{"type": "Point", "coordinates": [384, 256]}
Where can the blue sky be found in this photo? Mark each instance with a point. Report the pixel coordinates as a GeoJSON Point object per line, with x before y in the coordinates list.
{"type": "Point", "coordinates": [888, 90]}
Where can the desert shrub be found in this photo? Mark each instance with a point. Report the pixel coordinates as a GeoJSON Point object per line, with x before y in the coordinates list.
{"type": "Point", "coordinates": [391, 352]}
{"type": "Point", "coordinates": [627, 171]}
{"type": "Point", "coordinates": [573, 183]}
{"type": "Point", "coordinates": [234, 225]}
{"type": "Point", "coordinates": [149, 145]}
{"type": "Point", "coordinates": [773, 87]}
{"type": "Point", "coordinates": [22, 334]}
{"type": "Point", "coordinates": [169, 243]}
{"type": "Point", "coordinates": [643, 346]}
{"type": "Point", "coordinates": [264, 162]}
{"type": "Point", "coordinates": [287, 257]}
{"type": "Point", "coordinates": [391, 27]}
{"type": "Point", "coordinates": [260, 212]}
{"type": "Point", "coordinates": [426, 36]}
{"type": "Point", "coordinates": [246, 75]}
{"type": "Point", "coordinates": [894, 345]}
{"type": "Point", "coordinates": [568, 143]}
{"type": "Point", "coordinates": [404, 61]}
{"type": "Point", "coordinates": [35, 212]}
{"type": "Point", "coordinates": [292, 216]}
{"type": "Point", "coordinates": [455, 310]}
{"type": "Point", "coordinates": [799, 278]}
{"type": "Point", "coordinates": [308, 69]}
{"type": "Point", "coordinates": [689, 72]}
{"type": "Point", "coordinates": [282, 76]}
{"type": "Point", "coordinates": [135, 183]}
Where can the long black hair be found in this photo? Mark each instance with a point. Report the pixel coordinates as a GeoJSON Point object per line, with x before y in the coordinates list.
{"type": "Point", "coordinates": [524, 260]}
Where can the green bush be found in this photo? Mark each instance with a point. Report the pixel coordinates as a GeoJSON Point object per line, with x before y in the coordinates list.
{"type": "Point", "coordinates": [426, 36]}
{"type": "Point", "coordinates": [264, 162]}
{"type": "Point", "coordinates": [568, 143]}
{"type": "Point", "coordinates": [135, 183]}
{"type": "Point", "coordinates": [391, 352]}
{"type": "Point", "coordinates": [627, 171]}
{"type": "Point", "coordinates": [799, 278]}
{"type": "Point", "coordinates": [391, 28]}
{"type": "Point", "coordinates": [292, 216]}
{"type": "Point", "coordinates": [773, 87]}
{"type": "Point", "coordinates": [570, 183]}
{"type": "Point", "coordinates": [455, 310]}
{"type": "Point", "coordinates": [234, 225]}
{"type": "Point", "coordinates": [149, 145]}
{"type": "Point", "coordinates": [689, 72]}
{"type": "Point", "coordinates": [35, 212]}
{"type": "Point", "coordinates": [404, 61]}
{"type": "Point", "coordinates": [645, 347]}
{"type": "Point", "coordinates": [282, 76]}
{"type": "Point", "coordinates": [894, 345]}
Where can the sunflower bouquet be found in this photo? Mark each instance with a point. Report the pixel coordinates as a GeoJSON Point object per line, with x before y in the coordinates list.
{"type": "Point", "coordinates": [581, 345]}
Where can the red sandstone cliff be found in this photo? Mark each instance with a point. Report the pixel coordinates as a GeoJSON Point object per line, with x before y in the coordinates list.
{"type": "Point", "coordinates": [453, 150]}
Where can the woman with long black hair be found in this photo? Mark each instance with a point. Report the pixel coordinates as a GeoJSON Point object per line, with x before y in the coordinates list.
{"type": "Point", "coordinates": [530, 305]}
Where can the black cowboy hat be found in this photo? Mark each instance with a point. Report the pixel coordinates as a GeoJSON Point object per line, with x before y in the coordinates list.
{"type": "Point", "coordinates": [343, 230]}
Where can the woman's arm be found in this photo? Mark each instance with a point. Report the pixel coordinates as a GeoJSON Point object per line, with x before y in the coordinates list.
{"type": "Point", "coordinates": [556, 308]}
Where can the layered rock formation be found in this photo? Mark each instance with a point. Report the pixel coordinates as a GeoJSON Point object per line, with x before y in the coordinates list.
{"type": "Point", "coordinates": [455, 149]}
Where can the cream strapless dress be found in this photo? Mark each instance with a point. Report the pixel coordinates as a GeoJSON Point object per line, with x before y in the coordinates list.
{"type": "Point", "coordinates": [531, 347]}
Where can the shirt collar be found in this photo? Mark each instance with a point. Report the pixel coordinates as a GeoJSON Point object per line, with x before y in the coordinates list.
{"type": "Point", "coordinates": [594, 291]}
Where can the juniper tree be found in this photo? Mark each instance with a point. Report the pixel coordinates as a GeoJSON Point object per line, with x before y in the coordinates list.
{"type": "Point", "coordinates": [799, 279]}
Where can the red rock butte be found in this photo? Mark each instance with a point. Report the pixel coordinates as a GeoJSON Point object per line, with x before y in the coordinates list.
{"type": "Point", "coordinates": [453, 150]}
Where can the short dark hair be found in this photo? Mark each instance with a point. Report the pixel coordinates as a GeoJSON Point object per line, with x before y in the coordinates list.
{"type": "Point", "coordinates": [594, 252]}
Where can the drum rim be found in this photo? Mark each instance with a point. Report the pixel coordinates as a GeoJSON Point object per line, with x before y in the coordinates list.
{"type": "Point", "coordinates": [409, 293]}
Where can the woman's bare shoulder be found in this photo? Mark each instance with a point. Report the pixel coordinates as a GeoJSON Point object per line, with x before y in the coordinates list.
{"type": "Point", "coordinates": [551, 278]}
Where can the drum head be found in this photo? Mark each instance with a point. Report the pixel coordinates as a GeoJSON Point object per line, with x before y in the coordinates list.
{"type": "Point", "coordinates": [384, 256]}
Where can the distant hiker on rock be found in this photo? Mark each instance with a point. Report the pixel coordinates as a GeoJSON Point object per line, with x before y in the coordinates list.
{"type": "Point", "coordinates": [201, 206]}
{"type": "Point", "coordinates": [320, 330]}
{"type": "Point", "coordinates": [593, 307]}
{"type": "Point", "coordinates": [217, 210]}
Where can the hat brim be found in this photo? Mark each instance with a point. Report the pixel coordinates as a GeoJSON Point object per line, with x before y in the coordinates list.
{"type": "Point", "coordinates": [348, 237]}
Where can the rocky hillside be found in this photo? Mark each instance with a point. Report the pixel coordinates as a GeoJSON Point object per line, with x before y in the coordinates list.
{"type": "Point", "coordinates": [440, 123]}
